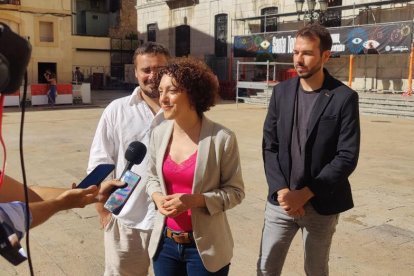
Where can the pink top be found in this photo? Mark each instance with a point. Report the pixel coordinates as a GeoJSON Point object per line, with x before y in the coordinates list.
{"type": "Point", "coordinates": [179, 179]}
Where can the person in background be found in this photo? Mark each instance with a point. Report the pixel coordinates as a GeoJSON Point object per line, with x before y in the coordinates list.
{"type": "Point", "coordinates": [371, 50]}
{"type": "Point", "coordinates": [52, 92]}
{"type": "Point", "coordinates": [123, 121]}
{"type": "Point", "coordinates": [311, 141]}
{"type": "Point", "coordinates": [194, 176]}
{"type": "Point", "coordinates": [78, 75]}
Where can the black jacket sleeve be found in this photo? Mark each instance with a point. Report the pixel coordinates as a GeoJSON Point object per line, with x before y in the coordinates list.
{"type": "Point", "coordinates": [270, 148]}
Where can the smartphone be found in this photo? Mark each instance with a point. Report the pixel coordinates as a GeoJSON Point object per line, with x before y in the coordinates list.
{"type": "Point", "coordinates": [96, 176]}
{"type": "Point", "coordinates": [119, 197]}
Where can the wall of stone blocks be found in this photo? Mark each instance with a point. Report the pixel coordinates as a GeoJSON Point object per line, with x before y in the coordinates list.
{"type": "Point", "coordinates": [127, 20]}
{"type": "Point", "coordinates": [382, 73]}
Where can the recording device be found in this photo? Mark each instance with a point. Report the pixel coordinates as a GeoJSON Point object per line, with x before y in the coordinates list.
{"type": "Point", "coordinates": [10, 247]}
{"type": "Point", "coordinates": [15, 54]}
{"type": "Point", "coordinates": [117, 200]}
{"type": "Point", "coordinates": [134, 155]}
{"type": "Point", "coordinates": [96, 176]}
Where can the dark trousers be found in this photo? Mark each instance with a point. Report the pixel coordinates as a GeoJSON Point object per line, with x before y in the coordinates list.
{"type": "Point", "coordinates": [175, 259]}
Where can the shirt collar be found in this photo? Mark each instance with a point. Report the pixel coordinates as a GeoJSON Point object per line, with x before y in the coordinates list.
{"type": "Point", "coordinates": [136, 97]}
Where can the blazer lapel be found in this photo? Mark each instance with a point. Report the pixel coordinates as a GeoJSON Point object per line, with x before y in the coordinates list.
{"type": "Point", "coordinates": [321, 102]}
{"type": "Point", "coordinates": [162, 151]}
{"type": "Point", "coordinates": [203, 153]}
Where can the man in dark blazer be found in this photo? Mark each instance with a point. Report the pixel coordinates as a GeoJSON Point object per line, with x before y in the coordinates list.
{"type": "Point", "coordinates": [311, 141]}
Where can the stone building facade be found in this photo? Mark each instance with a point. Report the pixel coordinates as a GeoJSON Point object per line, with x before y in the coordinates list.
{"type": "Point", "coordinates": [205, 29]}
{"type": "Point", "coordinates": [126, 21]}
{"type": "Point", "coordinates": [73, 33]}
{"type": "Point", "coordinates": [47, 26]}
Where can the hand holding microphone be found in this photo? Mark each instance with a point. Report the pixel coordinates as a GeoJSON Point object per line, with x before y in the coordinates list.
{"type": "Point", "coordinates": [134, 155]}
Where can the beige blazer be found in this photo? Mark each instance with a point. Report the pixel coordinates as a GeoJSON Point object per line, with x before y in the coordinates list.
{"type": "Point", "coordinates": [217, 176]}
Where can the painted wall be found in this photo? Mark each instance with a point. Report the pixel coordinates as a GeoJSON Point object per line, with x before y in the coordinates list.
{"type": "Point", "coordinates": [91, 54]}
{"type": "Point", "coordinates": [25, 20]}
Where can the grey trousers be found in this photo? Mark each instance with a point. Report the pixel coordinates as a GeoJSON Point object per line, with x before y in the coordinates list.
{"type": "Point", "coordinates": [280, 229]}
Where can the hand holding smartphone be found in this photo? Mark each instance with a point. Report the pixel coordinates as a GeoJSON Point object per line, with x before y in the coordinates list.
{"type": "Point", "coordinates": [96, 176]}
{"type": "Point", "coordinates": [119, 197]}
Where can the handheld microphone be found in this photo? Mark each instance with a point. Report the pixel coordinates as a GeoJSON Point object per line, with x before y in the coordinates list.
{"type": "Point", "coordinates": [134, 155]}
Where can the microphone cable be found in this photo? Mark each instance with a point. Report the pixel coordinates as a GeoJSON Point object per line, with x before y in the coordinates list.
{"type": "Point", "coordinates": [26, 193]}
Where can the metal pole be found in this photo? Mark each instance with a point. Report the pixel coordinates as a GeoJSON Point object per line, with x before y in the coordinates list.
{"type": "Point", "coordinates": [351, 67]}
{"type": "Point", "coordinates": [267, 82]}
{"type": "Point", "coordinates": [237, 84]}
{"type": "Point", "coordinates": [353, 15]}
{"type": "Point", "coordinates": [409, 91]}
{"type": "Point", "coordinates": [267, 71]}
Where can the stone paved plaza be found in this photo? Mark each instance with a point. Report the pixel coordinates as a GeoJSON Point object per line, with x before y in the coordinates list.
{"type": "Point", "coordinates": [374, 238]}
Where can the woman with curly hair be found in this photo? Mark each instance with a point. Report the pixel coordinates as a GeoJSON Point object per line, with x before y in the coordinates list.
{"type": "Point", "coordinates": [194, 176]}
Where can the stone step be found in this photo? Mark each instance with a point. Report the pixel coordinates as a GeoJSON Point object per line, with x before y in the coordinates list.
{"type": "Point", "coordinates": [396, 101]}
{"type": "Point", "coordinates": [394, 105]}
{"type": "Point", "coordinates": [387, 112]}
{"type": "Point", "coordinates": [387, 106]}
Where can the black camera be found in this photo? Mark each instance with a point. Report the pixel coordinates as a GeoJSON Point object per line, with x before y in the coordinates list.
{"type": "Point", "coordinates": [15, 54]}
{"type": "Point", "coordinates": [10, 247]}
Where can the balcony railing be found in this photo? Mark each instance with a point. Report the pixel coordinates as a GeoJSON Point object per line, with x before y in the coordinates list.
{"type": "Point", "coordinates": [10, 2]}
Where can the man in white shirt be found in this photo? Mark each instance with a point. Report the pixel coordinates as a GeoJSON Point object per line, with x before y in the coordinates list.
{"type": "Point", "coordinates": [123, 121]}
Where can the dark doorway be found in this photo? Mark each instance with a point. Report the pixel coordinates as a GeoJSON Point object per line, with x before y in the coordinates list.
{"type": "Point", "coordinates": [41, 69]}
{"type": "Point", "coordinates": [152, 32]}
{"type": "Point", "coordinates": [269, 22]}
{"type": "Point", "coordinates": [182, 40]}
{"type": "Point", "coordinates": [331, 18]}
{"type": "Point", "coordinates": [220, 35]}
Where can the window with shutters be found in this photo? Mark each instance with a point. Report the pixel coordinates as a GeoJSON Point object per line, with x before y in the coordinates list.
{"type": "Point", "coordinates": [182, 40]}
{"type": "Point", "coordinates": [269, 22]}
{"type": "Point", "coordinates": [152, 32]}
{"type": "Point", "coordinates": [220, 35]}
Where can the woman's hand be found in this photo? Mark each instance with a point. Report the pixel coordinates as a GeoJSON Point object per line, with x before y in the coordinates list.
{"type": "Point", "coordinates": [160, 201]}
{"type": "Point", "coordinates": [177, 203]}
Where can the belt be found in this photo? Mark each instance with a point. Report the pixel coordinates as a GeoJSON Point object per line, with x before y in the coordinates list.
{"type": "Point", "coordinates": [179, 236]}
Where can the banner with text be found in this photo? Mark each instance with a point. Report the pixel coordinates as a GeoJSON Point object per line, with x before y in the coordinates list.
{"type": "Point", "coordinates": [387, 38]}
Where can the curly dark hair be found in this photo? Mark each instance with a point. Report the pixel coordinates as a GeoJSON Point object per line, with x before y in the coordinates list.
{"type": "Point", "coordinates": [196, 78]}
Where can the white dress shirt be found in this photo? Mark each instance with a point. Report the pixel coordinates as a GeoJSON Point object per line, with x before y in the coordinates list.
{"type": "Point", "coordinates": [123, 121]}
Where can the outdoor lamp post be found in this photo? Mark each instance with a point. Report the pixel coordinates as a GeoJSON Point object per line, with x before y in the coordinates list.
{"type": "Point", "coordinates": [323, 5]}
{"type": "Point", "coordinates": [311, 13]}
{"type": "Point", "coordinates": [311, 4]}
{"type": "Point", "coordinates": [299, 7]}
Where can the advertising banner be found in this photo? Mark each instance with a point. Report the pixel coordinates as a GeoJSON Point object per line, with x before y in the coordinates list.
{"type": "Point", "coordinates": [387, 38]}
